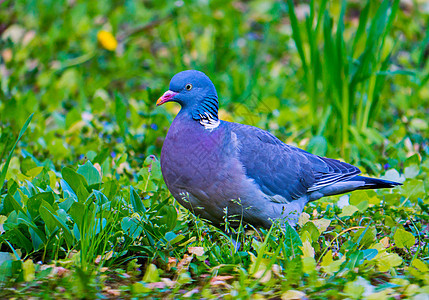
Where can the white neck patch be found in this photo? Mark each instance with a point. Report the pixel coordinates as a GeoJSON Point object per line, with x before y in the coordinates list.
{"type": "Point", "coordinates": [209, 122]}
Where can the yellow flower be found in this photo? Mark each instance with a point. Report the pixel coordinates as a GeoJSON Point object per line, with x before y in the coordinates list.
{"type": "Point", "coordinates": [107, 40]}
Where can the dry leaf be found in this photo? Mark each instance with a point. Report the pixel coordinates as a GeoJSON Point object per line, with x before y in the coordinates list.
{"type": "Point", "coordinates": [184, 263]}
{"type": "Point", "coordinates": [113, 292]}
{"type": "Point", "coordinates": [385, 242]}
{"type": "Point", "coordinates": [157, 285]}
{"type": "Point", "coordinates": [172, 262]}
{"type": "Point", "coordinates": [292, 295]}
{"type": "Point", "coordinates": [170, 283]}
{"type": "Point", "coordinates": [220, 280]}
{"type": "Point", "coordinates": [198, 251]}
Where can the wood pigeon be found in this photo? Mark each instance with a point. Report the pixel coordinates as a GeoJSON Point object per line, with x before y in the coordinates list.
{"type": "Point", "coordinates": [217, 168]}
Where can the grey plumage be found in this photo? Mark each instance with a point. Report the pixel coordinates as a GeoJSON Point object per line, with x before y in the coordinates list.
{"type": "Point", "coordinates": [212, 166]}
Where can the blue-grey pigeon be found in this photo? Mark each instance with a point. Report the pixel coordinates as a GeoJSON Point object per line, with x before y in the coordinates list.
{"type": "Point", "coordinates": [216, 168]}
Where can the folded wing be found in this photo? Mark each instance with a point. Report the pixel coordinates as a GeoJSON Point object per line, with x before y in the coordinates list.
{"type": "Point", "coordinates": [284, 172]}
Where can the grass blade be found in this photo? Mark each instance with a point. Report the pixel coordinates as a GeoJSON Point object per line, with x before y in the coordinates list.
{"type": "Point", "coordinates": [297, 35]}
{"type": "Point", "coordinates": [6, 165]}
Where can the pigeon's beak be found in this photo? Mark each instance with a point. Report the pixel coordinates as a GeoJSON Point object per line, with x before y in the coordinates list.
{"type": "Point", "coordinates": [168, 95]}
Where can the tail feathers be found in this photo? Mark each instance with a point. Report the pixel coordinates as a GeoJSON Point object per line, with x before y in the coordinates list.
{"type": "Point", "coordinates": [374, 183]}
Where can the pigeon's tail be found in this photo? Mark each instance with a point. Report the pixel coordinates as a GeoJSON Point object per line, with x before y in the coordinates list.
{"type": "Point", "coordinates": [374, 183]}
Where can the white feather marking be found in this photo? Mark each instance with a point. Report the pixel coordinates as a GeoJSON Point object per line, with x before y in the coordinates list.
{"type": "Point", "coordinates": [209, 122]}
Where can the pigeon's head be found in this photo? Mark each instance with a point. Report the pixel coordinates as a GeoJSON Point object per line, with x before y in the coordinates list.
{"type": "Point", "coordinates": [194, 91]}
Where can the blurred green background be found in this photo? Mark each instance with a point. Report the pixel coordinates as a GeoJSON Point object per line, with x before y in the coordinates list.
{"type": "Point", "coordinates": [89, 98]}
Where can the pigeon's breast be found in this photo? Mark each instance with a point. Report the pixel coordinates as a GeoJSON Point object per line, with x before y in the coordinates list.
{"type": "Point", "coordinates": [193, 156]}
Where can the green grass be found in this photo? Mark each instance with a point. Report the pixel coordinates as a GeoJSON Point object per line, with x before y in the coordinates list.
{"type": "Point", "coordinates": [84, 210]}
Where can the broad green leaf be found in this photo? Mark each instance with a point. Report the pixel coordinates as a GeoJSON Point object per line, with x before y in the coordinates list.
{"type": "Point", "coordinates": [312, 230]}
{"type": "Point", "coordinates": [2, 221]}
{"type": "Point", "coordinates": [329, 265]}
{"type": "Point", "coordinates": [34, 202]}
{"type": "Point", "coordinates": [303, 219]}
{"type": "Point", "coordinates": [386, 261]}
{"type": "Point", "coordinates": [292, 242]}
{"type": "Point", "coordinates": [52, 221]}
{"type": "Point", "coordinates": [413, 189]}
{"type": "Point", "coordinates": [131, 227]}
{"type": "Point", "coordinates": [365, 236]}
{"type": "Point", "coordinates": [34, 171]}
{"type": "Point", "coordinates": [168, 216]}
{"type": "Point", "coordinates": [411, 171]}
{"type": "Point", "coordinates": [67, 190]}
{"type": "Point", "coordinates": [139, 288]}
{"type": "Point", "coordinates": [403, 238]}
{"type": "Point", "coordinates": [151, 274]}
{"type": "Point", "coordinates": [348, 211]}
{"type": "Point", "coordinates": [307, 249]}
{"type": "Point", "coordinates": [321, 224]}
{"type": "Point", "coordinates": [389, 222]}
{"type": "Point", "coordinates": [420, 265]}
{"type": "Point", "coordinates": [309, 265]}
{"type": "Point", "coordinates": [77, 212]}
{"type": "Point", "coordinates": [13, 203]}
{"type": "Point", "coordinates": [393, 175]}
{"type": "Point", "coordinates": [259, 268]}
{"type": "Point", "coordinates": [136, 202]}
{"type": "Point", "coordinates": [77, 182]}
{"type": "Point", "coordinates": [90, 173]}
{"type": "Point", "coordinates": [29, 270]}
{"type": "Point", "coordinates": [5, 256]}
{"type": "Point", "coordinates": [110, 189]}
{"type": "Point", "coordinates": [360, 200]}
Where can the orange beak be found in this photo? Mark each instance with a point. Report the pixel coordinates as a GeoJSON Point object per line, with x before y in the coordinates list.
{"type": "Point", "coordinates": [168, 95]}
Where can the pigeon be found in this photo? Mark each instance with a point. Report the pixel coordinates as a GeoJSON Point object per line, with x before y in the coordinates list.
{"type": "Point", "coordinates": [230, 172]}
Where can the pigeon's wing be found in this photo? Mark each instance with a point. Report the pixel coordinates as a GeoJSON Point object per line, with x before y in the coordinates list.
{"type": "Point", "coordinates": [333, 171]}
{"type": "Point", "coordinates": [283, 170]}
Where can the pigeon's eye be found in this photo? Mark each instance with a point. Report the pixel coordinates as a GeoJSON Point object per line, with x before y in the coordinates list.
{"type": "Point", "coordinates": [188, 87]}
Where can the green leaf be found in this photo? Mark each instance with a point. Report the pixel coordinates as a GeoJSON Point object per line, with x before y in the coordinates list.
{"type": "Point", "coordinates": [329, 265]}
{"type": "Point", "coordinates": [34, 202]}
{"type": "Point", "coordinates": [6, 165]}
{"type": "Point", "coordinates": [77, 212]}
{"type": "Point", "coordinates": [131, 226]}
{"type": "Point", "coordinates": [412, 171]}
{"type": "Point", "coordinates": [413, 189]}
{"type": "Point", "coordinates": [393, 175]}
{"type": "Point", "coordinates": [151, 274]}
{"type": "Point", "coordinates": [90, 173]}
{"type": "Point", "coordinates": [12, 202]}
{"type": "Point", "coordinates": [321, 224]}
{"type": "Point", "coordinates": [136, 202]}
{"type": "Point", "coordinates": [292, 242]}
{"type": "Point", "coordinates": [77, 182]}
{"type": "Point", "coordinates": [29, 270]}
{"type": "Point", "coordinates": [358, 196]}
{"type": "Point", "coordinates": [168, 216]}
{"type": "Point", "coordinates": [110, 189]}
{"type": "Point", "coordinates": [365, 236]}
{"type": "Point", "coordinates": [52, 221]}
{"type": "Point", "coordinates": [403, 238]}
{"type": "Point", "coordinates": [387, 261]}
{"type": "Point", "coordinates": [312, 230]}
{"type": "Point", "coordinates": [420, 265]}
{"type": "Point", "coordinates": [5, 256]}
{"type": "Point", "coordinates": [348, 211]}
